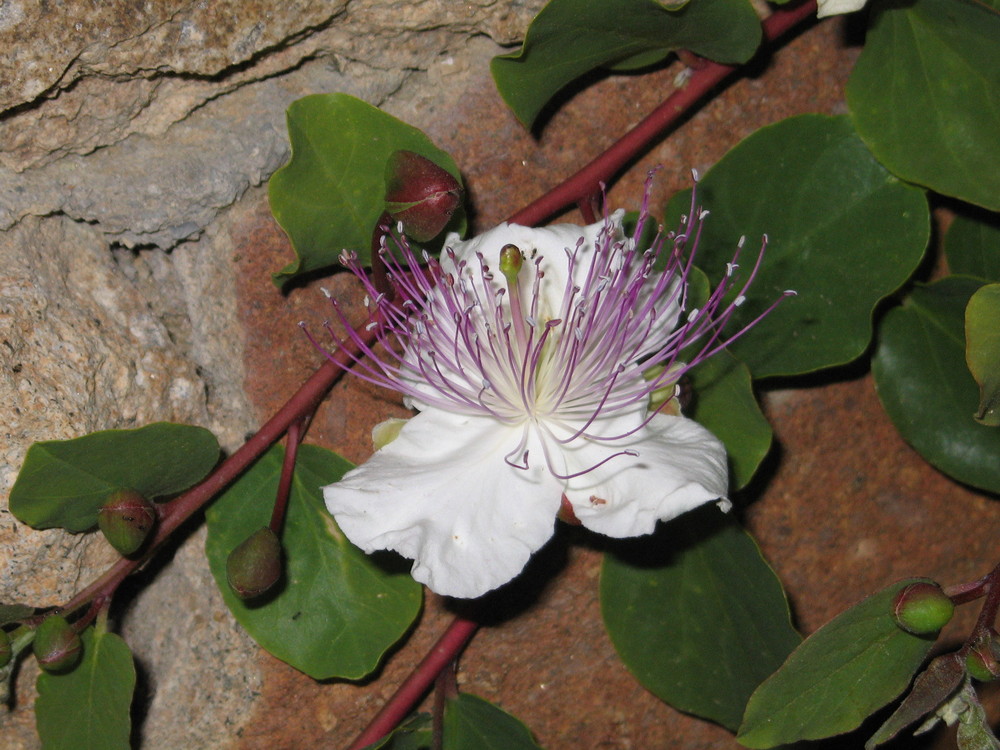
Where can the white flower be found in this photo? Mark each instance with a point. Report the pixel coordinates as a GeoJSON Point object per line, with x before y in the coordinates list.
{"type": "Point", "coordinates": [835, 7]}
{"type": "Point", "coordinates": [528, 354]}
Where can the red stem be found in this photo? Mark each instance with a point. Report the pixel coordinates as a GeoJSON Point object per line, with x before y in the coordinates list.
{"type": "Point", "coordinates": [409, 693]}
{"type": "Point", "coordinates": [961, 593]}
{"type": "Point", "coordinates": [294, 436]}
{"type": "Point", "coordinates": [988, 614]}
{"type": "Point", "coordinates": [588, 180]}
{"type": "Point", "coordinates": [181, 508]}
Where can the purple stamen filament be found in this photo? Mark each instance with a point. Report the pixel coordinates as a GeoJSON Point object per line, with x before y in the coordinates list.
{"type": "Point", "coordinates": [458, 341]}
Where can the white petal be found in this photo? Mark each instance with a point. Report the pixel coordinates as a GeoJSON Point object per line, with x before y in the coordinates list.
{"type": "Point", "coordinates": [442, 494]}
{"type": "Point", "coordinates": [550, 242]}
{"type": "Point", "coordinates": [680, 466]}
{"type": "Point", "coordinates": [835, 7]}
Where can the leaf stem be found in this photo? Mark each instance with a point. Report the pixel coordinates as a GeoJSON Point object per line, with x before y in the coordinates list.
{"type": "Point", "coordinates": [988, 614]}
{"type": "Point", "coordinates": [443, 653]}
{"type": "Point", "coordinates": [296, 431]}
{"type": "Point", "coordinates": [961, 593]}
{"type": "Point", "coordinates": [587, 181]}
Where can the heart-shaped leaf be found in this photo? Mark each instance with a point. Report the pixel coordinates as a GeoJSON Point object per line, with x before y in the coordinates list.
{"type": "Point", "coordinates": [337, 610]}
{"type": "Point", "coordinates": [842, 232]}
{"type": "Point", "coordinates": [331, 194]}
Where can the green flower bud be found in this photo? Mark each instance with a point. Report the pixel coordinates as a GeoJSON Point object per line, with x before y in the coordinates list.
{"type": "Point", "coordinates": [982, 660]}
{"type": "Point", "coordinates": [6, 650]}
{"type": "Point", "coordinates": [126, 520]}
{"type": "Point", "coordinates": [922, 608]}
{"type": "Point", "coordinates": [420, 194]}
{"type": "Point", "coordinates": [255, 565]}
{"type": "Point", "coordinates": [57, 646]}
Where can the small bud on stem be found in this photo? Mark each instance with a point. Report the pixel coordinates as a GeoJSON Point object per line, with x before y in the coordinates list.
{"type": "Point", "coordinates": [255, 565]}
{"type": "Point", "coordinates": [420, 194]}
{"type": "Point", "coordinates": [126, 520]}
{"type": "Point", "coordinates": [57, 645]}
{"type": "Point", "coordinates": [982, 662]}
{"type": "Point", "coordinates": [923, 608]}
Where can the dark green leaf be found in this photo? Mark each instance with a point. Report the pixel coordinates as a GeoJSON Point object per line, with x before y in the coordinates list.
{"type": "Point", "coordinates": [932, 687]}
{"type": "Point", "coordinates": [65, 482]}
{"type": "Point", "coordinates": [88, 708]}
{"type": "Point", "coordinates": [337, 610]}
{"type": "Point", "coordinates": [724, 402]}
{"type": "Point", "coordinates": [925, 95]}
{"type": "Point", "coordinates": [330, 196]}
{"type": "Point", "coordinates": [973, 246]}
{"type": "Point", "coordinates": [842, 232]}
{"type": "Point", "coordinates": [982, 351]}
{"type": "Point", "coordinates": [470, 723]}
{"type": "Point", "coordinates": [413, 734]}
{"type": "Point", "coordinates": [697, 615]}
{"type": "Point", "coordinates": [926, 387]}
{"type": "Point", "coordinates": [571, 37]}
{"type": "Point", "coordinates": [841, 674]}
{"type": "Point", "coordinates": [13, 612]}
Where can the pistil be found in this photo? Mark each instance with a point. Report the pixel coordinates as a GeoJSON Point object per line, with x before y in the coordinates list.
{"type": "Point", "coordinates": [511, 260]}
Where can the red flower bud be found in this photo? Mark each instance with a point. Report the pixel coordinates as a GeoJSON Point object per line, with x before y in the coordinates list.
{"type": "Point", "coordinates": [420, 194]}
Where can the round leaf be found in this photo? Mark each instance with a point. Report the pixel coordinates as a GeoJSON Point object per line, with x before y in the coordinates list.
{"type": "Point", "coordinates": [925, 95]}
{"type": "Point", "coordinates": [337, 610]}
{"type": "Point", "coordinates": [470, 723]}
{"type": "Point", "coordinates": [840, 675]}
{"type": "Point", "coordinates": [972, 246]}
{"type": "Point", "coordinates": [65, 482]}
{"type": "Point", "coordinates": [724, 402]}
{"type": "Point", "coordinates": [331, 194]}
{"type": "Point", "coordinates": [697, 615]}
{"type": "Point", "coordinates": [982, 350]}
{"type": "Point", "coordinates": [927, 389]}
{"type": "Point", "coordinates": [842, 232]}
{"type": "Point", "coordinates": [569, 38]}
{"type": "Point", "coordinates": [88, 708]}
